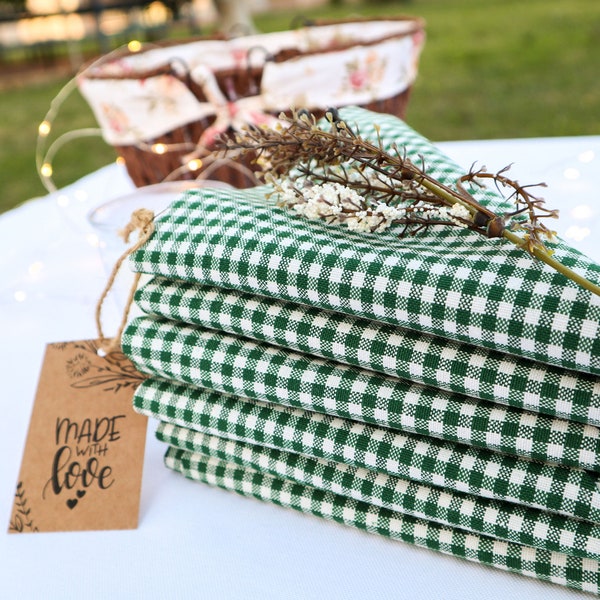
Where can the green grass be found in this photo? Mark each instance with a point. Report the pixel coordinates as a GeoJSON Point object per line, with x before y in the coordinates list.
{"type": "Point", "coordinates": [23, 109]}
{"type": "Point", "coordinates": [490, 69]}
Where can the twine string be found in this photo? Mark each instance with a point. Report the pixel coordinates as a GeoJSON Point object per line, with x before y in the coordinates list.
{"type": "Point", "coordinates": [142, 220]}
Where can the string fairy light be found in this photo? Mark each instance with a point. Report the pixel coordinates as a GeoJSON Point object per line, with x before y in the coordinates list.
{"type": "Point", "coordinates": [46, 169]}
{"type": "Point", "coordinates": [158, 148]}
{"type": "Point", "coordinates": [195, 155]}
{"type": "Point", "coordinates": [196, 159]}
{"type": "Point", "coordinates": [134, 46]}
{"type": "Point", "coordinates": [45, 154]}
{"type": "Point", "coordinates": [194, 164]}
{"type": "Point", "coordinates": [44, 128]}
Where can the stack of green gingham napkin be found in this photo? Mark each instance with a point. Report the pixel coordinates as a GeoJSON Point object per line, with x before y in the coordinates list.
{"type": "Point", "coordinates": [441, 389]}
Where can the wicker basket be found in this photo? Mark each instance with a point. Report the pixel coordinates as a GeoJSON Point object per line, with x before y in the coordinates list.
{"type": "Point", "coordinates": [165, 105]}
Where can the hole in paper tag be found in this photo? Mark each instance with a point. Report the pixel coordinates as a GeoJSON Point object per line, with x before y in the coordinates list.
{"type": "Point", "coordinates": [83, 458]}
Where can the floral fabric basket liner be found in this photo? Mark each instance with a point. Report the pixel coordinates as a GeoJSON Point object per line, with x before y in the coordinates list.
{"type": "Point", "coordinates": [161, 106]}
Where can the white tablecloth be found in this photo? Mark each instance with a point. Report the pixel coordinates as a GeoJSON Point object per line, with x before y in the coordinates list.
{"type": "Point", "coordinates": [194, 541]}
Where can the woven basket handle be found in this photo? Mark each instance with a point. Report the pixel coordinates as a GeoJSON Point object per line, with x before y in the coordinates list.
{"type": "Point", "coordinates": [268, 57]}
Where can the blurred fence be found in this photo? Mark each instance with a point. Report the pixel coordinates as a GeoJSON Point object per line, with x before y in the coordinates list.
{"type": "Point", "coordinates": [70, 31]}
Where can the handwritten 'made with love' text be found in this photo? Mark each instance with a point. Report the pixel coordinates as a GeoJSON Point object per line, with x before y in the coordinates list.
{"type": "Point", "coordinates": [83, 458]}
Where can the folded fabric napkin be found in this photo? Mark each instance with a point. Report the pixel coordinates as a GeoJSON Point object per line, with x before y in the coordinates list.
{"type": "Point", "coordinates": [442, 389]}
{"type": "Point", "coordinates": [575, 572]}
{"type": "Point", "coordinates": [221, 362]}
{"type": "Point", "coordinates": [447, 281]}
{"type": "Point", "coordinates": [570, 492]}
{"type": "Point", "coordinates": [472, 513]}
{"type": "Point", "coordinates": [401, 352]}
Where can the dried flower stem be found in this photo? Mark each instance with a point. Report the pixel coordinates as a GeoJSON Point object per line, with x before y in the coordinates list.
{"type": "Point", "coordinates": [544, 255]}
{"type": "Point", "coordinates": [300, 150]}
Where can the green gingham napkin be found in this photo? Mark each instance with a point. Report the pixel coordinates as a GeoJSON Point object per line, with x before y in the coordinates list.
{"type": "Point", "coordinates": [343, 380]}
{"type": "Point", "coordinates": [400, 352]}
{"type": "Point", "coordinates": [473, 471]}
{"type": "Point", "coordinates": [448, 281]}
{"type": "Point", "coordinates": [575, 572]}
{"type": "Point", "coordinates": [472, 513]}
{"type": "Point", "coordinates": [234, 365]}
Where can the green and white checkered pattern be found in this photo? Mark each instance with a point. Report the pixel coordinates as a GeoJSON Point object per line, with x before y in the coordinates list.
{"type": "Point", "coordinates": [234, 365]}
{"type": "Point", "coordinates": [570, 492]}
{"type": "Point", "coordinates": [400, 352]}
{"type": "Point", "coordinates": [440, 389]}
{"type": "Point", "coordinates": [499, 519]}
{"type": "Point", "coordinates": [571, 571]}
{"type": "Point", "coordinates": [448, 281]}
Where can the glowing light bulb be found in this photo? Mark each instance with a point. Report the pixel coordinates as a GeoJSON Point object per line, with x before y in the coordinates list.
{"type": "Point", "coordinates": [46, 170]}
{"type": "Point", "coordinates": [582, 211]}
{"type": "Point", "coordinates": [195, 164]}
{"type": "Point", "coordinates": [20, 296]}
{"type": "Point", "coordinates": [93, 240]}
{"type": "Point", "coordinates": [587, 156]}
{"type": "Point", "coordinates": [35, 268]}
{"type": "Point", "coordinates": [571, 173]}
{"type": "Point", "coordinates": [63, 201]}
{"type": "Point", "coordinates": [577, 233]}
{"type": "Point", "coordinates": [44, 128]}
{"type": "Point", "coordinates": [159, 148]}
{"type": "Point", "coordinates": [134, 46]}
{"type": "Point", "coordinates": [120, 160]}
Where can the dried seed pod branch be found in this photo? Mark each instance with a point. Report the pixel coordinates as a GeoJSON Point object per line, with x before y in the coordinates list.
{"type": "Point", "coordinates": [525, 203]}
{"type": "Point", "coordinates": [340, 177]}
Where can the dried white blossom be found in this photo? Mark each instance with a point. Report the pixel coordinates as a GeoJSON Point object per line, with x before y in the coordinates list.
{"type": "Point", "coordinates": [341, 205]}
{"type": "Point", "coordinates": [459, 211]}
{"type": "Point", "coordinates": [459, 214]}
{"type": "Point", "coordinates": [389, 212]}
{"type": "Point", "coordinates": [338, 204]}
{"type": "Point", "coordinates": [323, 201]}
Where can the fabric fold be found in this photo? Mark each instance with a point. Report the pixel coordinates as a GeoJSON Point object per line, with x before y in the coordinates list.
{"type": "Point", "coordinates": [400, 352]}
{"type": "Point", "coordinates": [234, 365]}
{"type": "Point", "coordinates": [501, 520]}
{"type": "Point", "coordinates": [570, 571]}
{"type": "Point", "coordinates": [569, 492]}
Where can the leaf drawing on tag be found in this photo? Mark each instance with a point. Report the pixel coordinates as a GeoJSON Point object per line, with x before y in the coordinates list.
{"type": "Point", "coordinates": [21, 520]}
{"type": "Point", "coordinates": [113, 372]}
